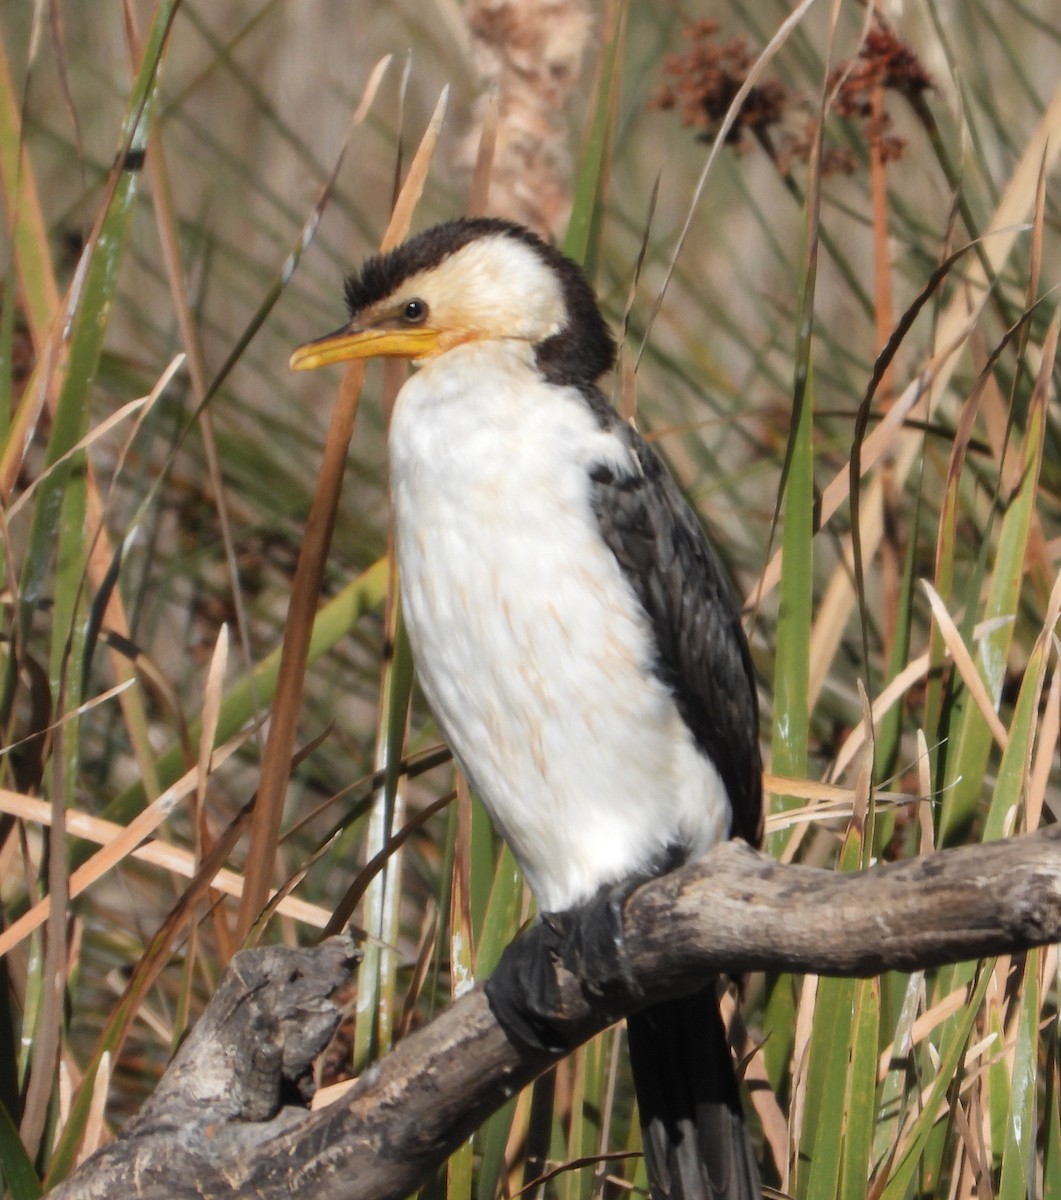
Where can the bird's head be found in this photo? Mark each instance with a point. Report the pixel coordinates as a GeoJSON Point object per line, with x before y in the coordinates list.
{"type": "Point", "coordinates": [470, 280]}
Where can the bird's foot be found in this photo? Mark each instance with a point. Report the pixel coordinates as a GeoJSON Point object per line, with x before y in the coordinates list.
{"type": "Point", "coordinates": [589, 943]}
{"type": "Point", "coordinates": [595, 947]}
{"type": "Point", "coordinates": [524, 990]}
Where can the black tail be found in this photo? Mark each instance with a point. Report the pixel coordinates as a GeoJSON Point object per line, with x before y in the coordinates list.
{"type": "Point", "coordinates": [696, 1145]}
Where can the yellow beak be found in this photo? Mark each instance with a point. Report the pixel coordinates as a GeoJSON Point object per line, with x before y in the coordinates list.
{"type": "Point", "coordinates": [345, 344]}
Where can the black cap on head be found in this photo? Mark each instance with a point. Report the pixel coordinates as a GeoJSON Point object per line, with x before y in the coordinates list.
{"type": "Point", "coordinates": [582, 351]}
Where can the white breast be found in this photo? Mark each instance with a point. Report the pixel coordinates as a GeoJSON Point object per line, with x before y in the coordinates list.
{"type": "Point", "coordinates": [531, 647]}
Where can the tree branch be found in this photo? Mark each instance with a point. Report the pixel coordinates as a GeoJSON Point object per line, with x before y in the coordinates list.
{"type": "Point", "coordinates": [222, 1120]}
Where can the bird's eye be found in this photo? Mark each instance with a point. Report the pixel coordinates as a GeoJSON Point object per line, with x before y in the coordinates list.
{"type": "Point", "coordinates": [414, 312]}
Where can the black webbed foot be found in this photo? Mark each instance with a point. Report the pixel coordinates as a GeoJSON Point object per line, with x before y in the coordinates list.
{"type": "Point", "coordinates": [595, 946]}
{"type": "Point", "coordinates": [524, 991]}
{"type": "Point", "coordinates": [589, 942]}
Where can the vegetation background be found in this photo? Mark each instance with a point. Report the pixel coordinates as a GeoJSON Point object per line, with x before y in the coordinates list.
{"type": "Point", "coordinates": [889, 185]}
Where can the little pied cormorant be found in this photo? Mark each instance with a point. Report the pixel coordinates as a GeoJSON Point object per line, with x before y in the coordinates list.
{"type": "Point", "coordinates": [573, 631]}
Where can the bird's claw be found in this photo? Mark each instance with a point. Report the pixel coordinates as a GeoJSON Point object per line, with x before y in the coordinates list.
{"type": "Point", "coordinates": [595, 947]}
{"type": "Point", "coordinates": [524, 991]}
{"type": "Point", "coordinates": [590, 943]}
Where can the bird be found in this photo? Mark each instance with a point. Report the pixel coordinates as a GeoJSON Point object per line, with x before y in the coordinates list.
{"type": "Point", "coordinates": [574, 634]}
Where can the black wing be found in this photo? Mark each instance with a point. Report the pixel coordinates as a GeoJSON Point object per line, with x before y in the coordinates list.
{"type": "Point", "coordinates": [703, 654]}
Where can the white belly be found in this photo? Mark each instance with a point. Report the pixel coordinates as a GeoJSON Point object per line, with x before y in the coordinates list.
{"type": "Point", "coordinates": [531, 648]}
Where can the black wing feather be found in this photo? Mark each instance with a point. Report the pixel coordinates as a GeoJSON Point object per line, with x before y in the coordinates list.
{"type": "Point", "coordinates": [703, 654]}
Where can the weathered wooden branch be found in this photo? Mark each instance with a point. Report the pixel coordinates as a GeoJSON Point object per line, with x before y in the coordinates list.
{"type": "Point", "coordinates": [227, 1118]}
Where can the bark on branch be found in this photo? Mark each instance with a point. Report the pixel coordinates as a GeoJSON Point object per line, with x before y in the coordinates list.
{"type": "Point", "coordinates": [226, 1120]}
